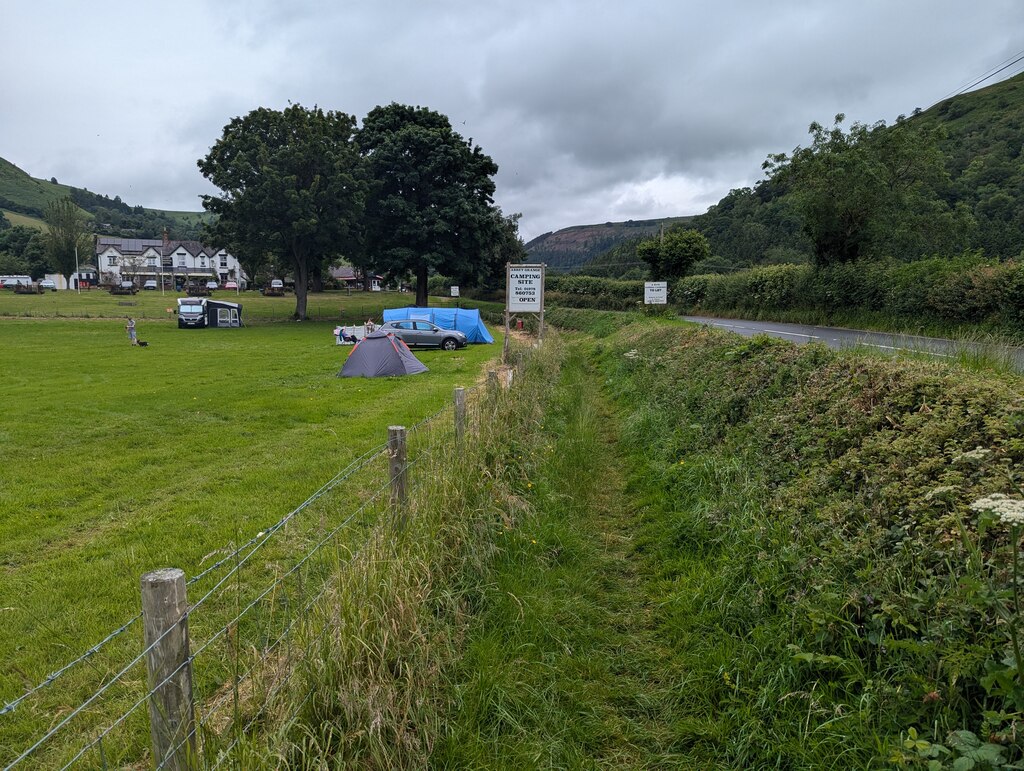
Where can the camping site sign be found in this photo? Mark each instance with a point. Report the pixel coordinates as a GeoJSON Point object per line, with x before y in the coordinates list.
{"type": "Point", "coordinates": [524, 288]}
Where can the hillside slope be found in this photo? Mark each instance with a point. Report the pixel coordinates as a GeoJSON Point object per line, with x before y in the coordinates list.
{"type": "Point", "coordinates": [982, 136]}
{"type": "Point", "coordinates": [573, 247]}
{"type": "Point", "coordinates": [25, 195]}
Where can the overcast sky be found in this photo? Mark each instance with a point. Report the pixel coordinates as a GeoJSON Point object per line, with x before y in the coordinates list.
{"type": "Point", "coordinates": [594, 111]}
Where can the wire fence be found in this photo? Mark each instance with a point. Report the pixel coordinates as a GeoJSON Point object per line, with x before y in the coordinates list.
{"type": "Point", "coordinates": [254, 608]}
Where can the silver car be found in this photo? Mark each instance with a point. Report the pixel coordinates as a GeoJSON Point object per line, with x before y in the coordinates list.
{"type": "Point", "coordinates": [416, 333]}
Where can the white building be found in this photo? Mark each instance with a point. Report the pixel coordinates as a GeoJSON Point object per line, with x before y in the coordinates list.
{"type": "Point", "coordinates": [171, 262]}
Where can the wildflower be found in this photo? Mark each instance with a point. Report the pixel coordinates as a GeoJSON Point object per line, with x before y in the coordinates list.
{"type": "Point", "coordinates": [633, 354]}
{"type": "Point", "coordinates": [529, 485]}
{"type": "Point", "coordinates": [532, 541]}
{"type": "Point", "coordinates": [975, 456]}
{"type": "Point", "coordinates": [1009, 510]}
{"type": "Point", "coordinates": [682, 463]}
{"type": "Point", "coordinates": [940, 493]}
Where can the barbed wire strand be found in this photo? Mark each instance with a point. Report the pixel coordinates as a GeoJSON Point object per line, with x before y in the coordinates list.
{"type": "Point", "coordinates": [188, 662]}
{"type": "Point", "coordinates": [278, 582]}
{"type": "Point", "coordinates": [265, 536]}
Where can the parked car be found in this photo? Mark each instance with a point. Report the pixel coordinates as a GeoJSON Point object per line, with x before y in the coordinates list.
{"type": "Point", "coordinates": [151, 284]}
{"type": "Point", "coordinates": [277, 284]}
{"type": "Point", "coordinates": [424, 333]}
{"type": "Point", "coordinates": [211, 285]}
{"type": "Point", "coordinates": [48, 284]}
{"type": "Point", "coordinates": [231, 285]}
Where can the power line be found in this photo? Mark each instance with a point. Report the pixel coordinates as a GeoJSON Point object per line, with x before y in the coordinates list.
{"type": "Point", "coordinates": [1012, 60]}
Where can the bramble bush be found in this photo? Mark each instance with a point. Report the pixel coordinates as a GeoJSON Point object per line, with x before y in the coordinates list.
{"type": "Point", "coordinates": [822, 568]}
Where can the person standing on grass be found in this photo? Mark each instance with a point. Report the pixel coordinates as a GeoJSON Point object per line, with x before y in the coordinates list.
{"type": "Point", "coordinates": [130, 326]}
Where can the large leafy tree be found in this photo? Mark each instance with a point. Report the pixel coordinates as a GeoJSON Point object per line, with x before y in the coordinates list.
{"type": "Point", "coordinates": [673, 254]}
{"type": "Point", "coordinates": [67, 238]}
{"type": "Point", "coordinates": [870, 191]}
{"type": "Point", "coordinates": [430, 208]}
{"type": "Point", "coordinates": [292, 190]}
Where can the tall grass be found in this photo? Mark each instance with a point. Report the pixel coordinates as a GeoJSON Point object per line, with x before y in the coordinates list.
{"type": "Point", "coordinates": [119, 460]}
{"type": "Point", "coordinates": [372, 685]}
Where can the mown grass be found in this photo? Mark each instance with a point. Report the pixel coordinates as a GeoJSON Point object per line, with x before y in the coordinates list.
{"type": "Point", "coordinates": [117, 460]}
{"type": "Point", "coordinates": [548, 677]}
{"type": "Point", "coordinates": [336, 306]}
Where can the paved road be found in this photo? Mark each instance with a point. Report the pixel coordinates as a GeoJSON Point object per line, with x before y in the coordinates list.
{"type": "Point", "coordinates": [837, 337]}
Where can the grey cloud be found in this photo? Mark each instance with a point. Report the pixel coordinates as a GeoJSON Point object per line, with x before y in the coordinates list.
{"type": "Point", "coordinates": [593, 110]}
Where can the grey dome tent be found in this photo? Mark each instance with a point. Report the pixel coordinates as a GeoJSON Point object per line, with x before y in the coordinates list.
{"type": "Point", "coordinates": [381, 354]}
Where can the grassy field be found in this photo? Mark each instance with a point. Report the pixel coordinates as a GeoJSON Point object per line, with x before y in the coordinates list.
{"type": "Point", "coordinates": [23, 219]}
{"type": "Point", "coordinates": [117, 460]}
{"type": "Point", "coordinates": [335, 306]}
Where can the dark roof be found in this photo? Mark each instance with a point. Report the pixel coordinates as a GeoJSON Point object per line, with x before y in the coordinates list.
{"type": "Point", "coordinates": [127, 245]}
{"type": "Point", "coordinates": [192, 247]}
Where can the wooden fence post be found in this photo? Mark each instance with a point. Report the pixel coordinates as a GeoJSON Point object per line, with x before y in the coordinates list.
{"type": "Point", "coordinates": [460, 414]}
{"type": "Point", "coordinates": [171, 711]}
{"type": "Point", "coordinates": [397, 470]}
{"type": "Point", "coordinates": [492, 379]}
{"type": "Point", "coordinates": [504, 343]}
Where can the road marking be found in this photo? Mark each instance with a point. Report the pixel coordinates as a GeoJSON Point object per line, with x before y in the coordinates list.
{"type": "Point", "coordinates": [792, 334]}
{"type": "Point", "coordinates": [908, 350]}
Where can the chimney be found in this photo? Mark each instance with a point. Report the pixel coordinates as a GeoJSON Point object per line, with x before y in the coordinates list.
{"type": "Point", "coordinates": [166, 241]}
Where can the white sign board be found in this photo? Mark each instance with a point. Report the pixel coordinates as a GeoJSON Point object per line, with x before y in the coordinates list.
{"type": "Point", "coordinates": [655, 293]}
{"type": "Point", "coordinates": [455, 291]}
{"type": "Point", "coordinates": [525, 289]}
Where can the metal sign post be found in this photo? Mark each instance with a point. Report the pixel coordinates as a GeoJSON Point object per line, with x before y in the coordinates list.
{"type": "Point", "coordinates": [655, 293]}
{"type": "Point", "coordinates": [524, 293]}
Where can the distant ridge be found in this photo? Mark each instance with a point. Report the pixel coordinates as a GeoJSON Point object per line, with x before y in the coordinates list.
{"type": "Point", "coordinates": [28, 197]}
{"type": "Point", "coordinates": [576, 246]}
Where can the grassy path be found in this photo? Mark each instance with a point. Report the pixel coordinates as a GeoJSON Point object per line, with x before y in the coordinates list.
{"type": "Point", "coordinates": [563, 667]}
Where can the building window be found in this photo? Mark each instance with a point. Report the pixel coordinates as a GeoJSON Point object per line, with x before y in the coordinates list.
{"type": "Point", "coordinates": [111, 262]}
{"type": "Point", "coordinates": [152, 262]}
{"type": "Point", "coordinates": [202, 262]}
{"type": "Point", "coordinates": [181, 260]}
{"type": "Point", "coordinates": [223, 260]}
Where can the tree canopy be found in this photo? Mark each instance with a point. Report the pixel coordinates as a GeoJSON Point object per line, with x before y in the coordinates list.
{"type": "Point", "coordinates": [673, 254]}
{"type": "Point", "coordinates": [430, 203]}
{"type": "Point", "coordinates": [871, 190]}
{"type": "Point", "coordinates": [292, 189]}
{"type": "Point", "coordinates": [67, 239]}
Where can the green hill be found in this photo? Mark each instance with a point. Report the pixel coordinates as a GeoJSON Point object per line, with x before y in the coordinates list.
{"type": "Point", "coordinates": [24, 195]}
{"type": "Point", "coordinates": [976, 201]}
{"type": "Point", "coordinates": [574, 247]}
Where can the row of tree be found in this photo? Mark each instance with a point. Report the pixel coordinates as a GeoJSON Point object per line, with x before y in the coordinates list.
{"type": "Point", "coordinates": [403, 195]}
{"type": "Point", "coordinates": [57, 250]}
{"type": "Point", "coordinates": [872, 192]}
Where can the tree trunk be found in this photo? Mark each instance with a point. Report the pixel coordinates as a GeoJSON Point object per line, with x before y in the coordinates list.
{"type": "Point", "coordinates": [301, 280]}
{"type": "Point", "coordinates": [421, 286]}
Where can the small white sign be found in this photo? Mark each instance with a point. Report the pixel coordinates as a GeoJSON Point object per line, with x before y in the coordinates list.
{"type": "Point", "coordinates": [655, 293]}
{"type": "Point", "coordinates": [525, 288]}
{"type": "Point", "coordinates": [455, 291]}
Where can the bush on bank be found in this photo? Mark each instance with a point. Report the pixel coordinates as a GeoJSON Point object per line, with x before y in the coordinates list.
{"type": "Point", "coordinates": [821, 567]}
{"type": "Point", "coordinates": [966, 289]}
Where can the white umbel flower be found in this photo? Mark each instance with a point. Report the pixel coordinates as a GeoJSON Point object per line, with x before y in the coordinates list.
{"type": "Point", "coordinates": [1009, 510]}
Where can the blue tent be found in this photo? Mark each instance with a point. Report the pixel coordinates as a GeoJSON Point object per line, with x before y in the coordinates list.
{"type": "Point", "coordinates": [463, 319]}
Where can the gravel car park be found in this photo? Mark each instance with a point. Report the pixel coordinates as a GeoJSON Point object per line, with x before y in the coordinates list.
{"type": "Point", "coordinates": [423, 333]}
